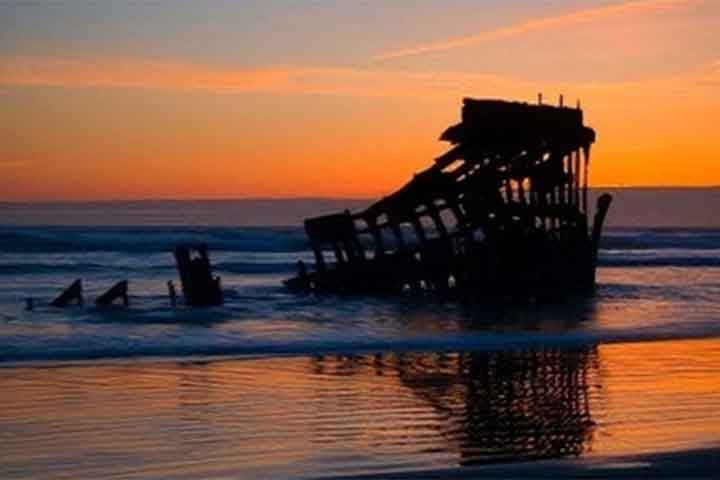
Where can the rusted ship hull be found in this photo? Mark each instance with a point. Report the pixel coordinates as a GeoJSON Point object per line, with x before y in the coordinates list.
{"type": "Point", "coordinates": [504, 213]}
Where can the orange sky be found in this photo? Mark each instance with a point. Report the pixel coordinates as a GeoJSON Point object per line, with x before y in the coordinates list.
{"type": "Point", "coordinates": [136, 105]}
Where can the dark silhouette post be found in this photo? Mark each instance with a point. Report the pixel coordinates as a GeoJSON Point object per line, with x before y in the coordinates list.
{"type": "Point", "coordinates": [172, 293]}
{"type": "Point", "coordinates": [603, 205]}
{"type": "Point", "coordinates": [200, 287]}
{"type": "Point", "coordinates": [73, 293]}
{"type": "Point", "coordinates": [119, 291]}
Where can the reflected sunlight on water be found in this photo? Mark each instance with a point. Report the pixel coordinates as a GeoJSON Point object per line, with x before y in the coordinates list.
{"type": "Point", "coordinates": [332, 415]}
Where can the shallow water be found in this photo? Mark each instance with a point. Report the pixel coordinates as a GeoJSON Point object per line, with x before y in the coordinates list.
{"type": "Point", "coordinates": [334, 415]}
{"type": "Point", "coordinates": [653, 284]}
{"type": "Point", "coordinates": [274, 385]}
{"type": "Point", "coordinates": [260, 318]}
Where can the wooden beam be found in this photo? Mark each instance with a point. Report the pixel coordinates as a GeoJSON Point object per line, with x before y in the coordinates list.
{"type": "Point", "coordinates": [71, 294]}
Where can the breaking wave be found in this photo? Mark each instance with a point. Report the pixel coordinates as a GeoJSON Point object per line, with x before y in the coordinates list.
{"type": "Point", "coordinates": [277, 239]}
{"type": "Point", "coordinates": [202, 345]}
{"type": "Point", "coordinates": [149, 239]}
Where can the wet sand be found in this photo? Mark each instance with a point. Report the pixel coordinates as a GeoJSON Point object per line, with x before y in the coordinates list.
{"type": "Point", "coordinates": [692, 464]}
{"type": "Point", "coordinates": [624, 410]}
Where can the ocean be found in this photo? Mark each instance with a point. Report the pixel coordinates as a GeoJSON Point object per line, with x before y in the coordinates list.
{"type": "Point", "coordinates": [278, 385]}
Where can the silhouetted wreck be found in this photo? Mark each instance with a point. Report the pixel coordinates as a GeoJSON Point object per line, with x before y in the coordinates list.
{"type": "Point", "coordinates": [504, 213]}
{"type": "Point", "coordinates": [200, 287]}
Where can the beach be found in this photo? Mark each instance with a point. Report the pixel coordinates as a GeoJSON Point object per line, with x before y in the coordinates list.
{"type": "Point", "coordinates": [616, 410]}
{"type": "Point", "coordinates": [359, 240]}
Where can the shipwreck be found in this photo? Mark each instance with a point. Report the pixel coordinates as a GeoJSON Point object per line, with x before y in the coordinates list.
{"type": "Point", "coordinates": [503, 214]}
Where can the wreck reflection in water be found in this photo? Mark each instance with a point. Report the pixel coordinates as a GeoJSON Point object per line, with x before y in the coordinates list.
{"type": "Point", "coordinates": [333, 416]}
{"type": "Point", "coordinates": [496, 406]}
{"type": "Point", "coordinates": [319, 416]}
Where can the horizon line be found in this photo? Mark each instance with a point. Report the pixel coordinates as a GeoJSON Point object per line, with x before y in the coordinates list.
{"type": "Point", "coordinates": [313, 197]}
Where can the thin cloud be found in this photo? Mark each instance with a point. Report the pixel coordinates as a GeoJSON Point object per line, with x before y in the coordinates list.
{"type": "Point", "coordinates": [369, 82]}
{"type": "Point", "coordinates": [88, 73]}
{"type": "Point", "coordinates": [561, 21]}
{"type": "Point", "coordinates": [14, 164]}
{"type": "Point", "coordinates": [58, 72]}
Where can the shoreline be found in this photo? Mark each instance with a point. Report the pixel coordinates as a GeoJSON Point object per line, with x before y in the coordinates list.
{"type": "Point", "coordinates": [382, 348]}
{"type": "Point", "coordinates": [702, 463]}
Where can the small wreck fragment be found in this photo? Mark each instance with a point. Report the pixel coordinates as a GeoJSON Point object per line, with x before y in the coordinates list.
{"type": "Point", "coordinates": [504, 213]}
{"type": "Point", "coordinates": [200, 287]}
{"type": "Point", "coordinates": [72, 294]}
{"type": "Point", "coordinates": [119, 291]}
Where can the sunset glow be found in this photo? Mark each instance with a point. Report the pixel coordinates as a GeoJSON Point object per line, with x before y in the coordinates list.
{"type": "Point", "coordinates": [281, 99]}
